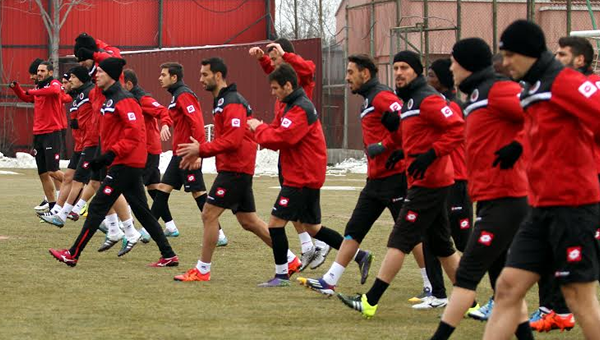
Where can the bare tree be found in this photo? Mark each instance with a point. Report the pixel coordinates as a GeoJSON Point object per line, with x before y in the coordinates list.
{"type": "Point", "coordinates": [306, 19]}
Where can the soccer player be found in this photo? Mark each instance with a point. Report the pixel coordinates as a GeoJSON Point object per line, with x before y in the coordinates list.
{"type": "Point", "coordinates": [47, 124]}
{"type": "Point", "coordinates": [124, 146]}
{"type": "Point", "coordinates": [559, 235]}
{"type": "Point", "coordinates": [494, 119]}
{"type": "Point", "coordinates": [430, 131]}
{"type": "Point", "coordinates": [303, 157]}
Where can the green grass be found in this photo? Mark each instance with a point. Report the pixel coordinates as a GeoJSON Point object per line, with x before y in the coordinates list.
{"type": "Point", "coordinates": [106, 297]}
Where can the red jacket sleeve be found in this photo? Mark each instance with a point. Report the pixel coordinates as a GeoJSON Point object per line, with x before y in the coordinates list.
{"type": "Point", "coordinates": [503, 98]}
{"type": "Point", "coordinates": [131, 117]}
{"type": "Point", "coordinates": [193, 115]}
{"type": "Point", "coordinates": [293, 128]}
{"type": "Point", "coordinates": [113, 51]}
{"type": "Point", "coordinates": [153, 108]}
{"type": "Point", "coordinates": [304, 68]}
{"type": "Point", "coordinates": [55, 88]}
{"type": "Point", "coordinates": [387, 101]}
{"type": "Point", "coordinates": [232, 134]}
{"type": "Point", "coordinates": [18, 90]}
{"type": "Point", "coordinates": [578, 96]}
{"type": "Point", "coordinates": [435, 110]}
{"type": "Point", "coordinates": [265, 63]}
{"type": "Point", "coordinates": [65, 98]}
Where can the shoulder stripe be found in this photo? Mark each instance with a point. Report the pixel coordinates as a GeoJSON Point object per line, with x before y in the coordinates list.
{"type": "Point", "coordinates": [367, 111]}
{"type": "Point", "coordinates": [544, 96]}
{"type": "Point", "coordinates": [474, 106]}
{"type": "Point", "coordinates": [410, 114]}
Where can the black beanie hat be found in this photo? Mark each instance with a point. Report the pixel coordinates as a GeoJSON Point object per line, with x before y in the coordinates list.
{"type": "Point", "coordinates": [66, 76]}
{"type": "Point", "coordinates": [34, 66]}
{"type": "Point", "coordinates": [81, 73]}
{"type": "Point", "coordinates": [523, 37]}
{"type": "Point", "coordinates": [441, 68]}
{"type": "Point", "coordinates": [113, 67]}
{"type": "Point", "coordinates": [411, 58]}
{"type": "Point", "coordinates": [85, 40]}
{"type": "Point", "coordinates": [473, 54]}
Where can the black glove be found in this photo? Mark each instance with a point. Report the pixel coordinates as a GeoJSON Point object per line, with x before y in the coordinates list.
{"type": "Point", "coordinates": [74, 124]}
{"type": "Point", "coordinates": [102, 161]}
{"type": "Point", "coordinates": [391, 120]}
{"type": "Point", "coordinates": [508, 155]}
{"type": "Point", "coordinates": [394, 158]}
{"type": "Point", "coordinates": [422, 161]}
{"type": "Point", "coordinates": [375, 149]}
{"type": "Point", "coordinates": [85, 54]}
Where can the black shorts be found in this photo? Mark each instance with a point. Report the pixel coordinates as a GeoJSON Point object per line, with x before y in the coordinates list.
{"type": "Point", "coordinates": [378, 194]}
{"type": "Point", "coordinates": [100, 174]}
{"type": "Point", "coordinates": [232, 190]}
{"type": "Point", "coordinates": [496, 225]}
{"type": "Point", "coordinates": [84, 172]}
{"type": "Point", "coordinates": [151, 174]}
{"type": "Point", "coordinates": [191, 180]}
{"type": "Point", "coordinates": [460, 214]}
{"type": "Point", "coordinates": [298, 204]}
{"type": "Point", "coordinates": [47, 151]}
{"type": "Point", "coordinates": [558, 240]}
{"type": "Point", "coordinates": [423, 218]}
{"type": "Point", "coordinates": [74, 160]}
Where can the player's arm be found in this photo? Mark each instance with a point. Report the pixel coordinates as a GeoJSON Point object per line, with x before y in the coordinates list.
{"type": "Point", "coordinates": [54, 89]}
{"type": "Point", "coordinates": [132, 120]}
{"type": "Point", "coordinates": [193, 115]}
{"type": "Point", "coordinates": [18, 90]}
{"type": "Point", "coordinates": [578, 96]}
{"type": "Point", "coordinates": [304, 68]}
{"type": "Point", "coordinates": [233, 131]}
{"type": "Point", "coordinates": [435, 110]}
{"type": "Point", "coordinates": [293, 128]}
{"type": "Point", "coordinates": [388, 102]}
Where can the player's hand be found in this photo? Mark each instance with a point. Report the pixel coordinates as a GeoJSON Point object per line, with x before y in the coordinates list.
{"type": "Point", "coordinates": [189, 149]}
{"type": "Point", "coordinates": [508, 155]}
{"type": "Point", "coordinates": [256, 52]}
{"type": "Point", "coordinates": [102, 160]}
{"type": "Point", "coordinates": [422, 161]}
{"type": "Point", "coordinates": [165, 133]}
{"type": "Point", "coordinates": [391, 120]}
{"type": "Point", "coordinates": [277, 47]}
{"type": "Point", "coordinates": [13, 84]}
{"type": "Point", "coordinates": [394, 158]}
{"type": "Point", "coordinates": [187, 162]}
{"type": "Point", "coordinates": [254, 123]}
{"type": "Point", "coordinates": [197, 164]}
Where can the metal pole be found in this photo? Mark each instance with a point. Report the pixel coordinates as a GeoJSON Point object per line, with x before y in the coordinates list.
{"type": "Point", "coordinates": [346, 51]}
{"type": "Point", "coordinates": [268, 18]}
{"type": "Point", "coordinates": [568, 17]}
{"type": "Point", "coordinates": [495, 25]}
{"type": "Point", "coordinates": [426, 26]}
{"type": "Point", "coordinates": [399, 12]}
{"type": "Point", "coordinates": [296, 19]}
{"type": "Point", "coordinates": [372, 30]}
{"type": "Point", "coordinates": [160, 23]}
{"type": "Point", "coordinates": [321, 19]}
{"type": "Point", "coordinates": [458, 19]}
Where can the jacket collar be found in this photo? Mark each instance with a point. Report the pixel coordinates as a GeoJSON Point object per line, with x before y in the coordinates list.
{"type": "Point", "coordinates": [546, 62]}
{"type": "Point", "coordinates": [113, 89]}
{"type": "Point", "coordinates": [44, 82]}
{"type": "Point", "coordinates": [137, 91]}
{"type": "Point", "coordinates": [175, 86]}
{"type": "Point", "coordinates": [299, 92]}
{"type": "Point", "coordinates": [471, 82]}
{"type": "Point", "coordinates": [366, 87]}
{"type": "Point", "coordinates": [227, 89]}
{"type": "Point", "coordinates": [405, 93]}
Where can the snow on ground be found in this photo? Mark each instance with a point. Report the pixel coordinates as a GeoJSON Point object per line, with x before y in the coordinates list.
{"type": "Point", "coordinates": [266, 164]}
{"type": "Point", "coordinates": [8, 173]}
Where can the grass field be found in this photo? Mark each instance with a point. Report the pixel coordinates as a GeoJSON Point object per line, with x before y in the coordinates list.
{"type": "Point", "coordinates": [106, 297]}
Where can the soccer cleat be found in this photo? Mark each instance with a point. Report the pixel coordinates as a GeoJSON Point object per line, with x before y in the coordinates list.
{"type": "Point", "coordinates": [54, 220]}
{"type": "Point", "coordinates": [472, 309]}
{"type": "Point", "coordinates": [536, 315]}
{"type": "Point", "coordinates": [42, 207]}
{"type": "Point", "coordinates": [552, 321]}
{"type": "Point", "coordinates": [364, 266]}
{"type": "Point", "coordinates": [73, 216]}
{"type": "Point", "coordinates": [294, 266]}
{"type": "Point", "coordinates": [320, 256]}
{"type": "Point", "coordinates": [169, 233]}
{"type": "Point", "coordinates": [145, 236]}
{"type": "Point", "coordinates": [128, 245]}
{"type": "Point", "coordinates": [431, 302]}
{"type": "Point", "coordinates": [192, 275]}
{"type": "Point", "coordinates": [63, 256]}
{"type": "Point", "coordinates": [103, 228]}
{"type": "Point", "coordinates": [275, 283]}
{"type": "Point", "coordinates": [222, 242]}
{"type": "Point", "coordinates": [483, 313]}
{"type": "Point", "coordinates": [109, 242]}
{"type": "Point", "coordinates": [84, 210]}
{"type": "Point", "coordinates": [318, 285]}
{"type": "Point", "coordinates": [419, 298]}
{"type": "Point", "coordinates": [307, 257]}
{"type": "Point", "coordinates": [359, 303]}
{"type": "Point", "coordinates": [166, 262]}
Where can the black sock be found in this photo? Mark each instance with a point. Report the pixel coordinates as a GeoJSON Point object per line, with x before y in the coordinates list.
{"type": "Point", "coordinates": [524, 331]}
{"type": "Point", "coordinates": [160, 207]}
{"type": "Point", "coordinates": [280, 245]}
{"type": "Point", "coordinates": [361, 254]}
{"type": "Point", "coordinates": [152, 193]}
{"type": "Point", "coordinates": [443, 331]}
{"type": "Point", "coordinates": [330, 236]}
{"type": "Point", "coordinates": [376, 291]}
{"type": "Point", "coordinates": [200, 201]}
{"type": "Point", "coordinates": [51, 205]}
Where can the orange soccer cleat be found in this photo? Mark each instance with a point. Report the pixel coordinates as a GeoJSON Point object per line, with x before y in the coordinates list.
{"type": "Point", "coordinates": [192, 275]}
{"type": "Point", "coordinates": [552, 321]}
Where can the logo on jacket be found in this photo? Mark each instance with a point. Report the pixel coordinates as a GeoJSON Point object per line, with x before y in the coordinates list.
{"type": "Point", "coordinates": [286, 123]}
{"type": "Point", "coordinates": [446, 111]}
{"type": "Point", "coordinates": [411, 216]}
{"type": "Point", "coordinates": [220, 192]}
{"type": "Point", "coordinates": [236, 122]}
{"type": "Point", "coordinates": [191, 178]}
{"type": "Point", "coordinates": [191, 109]}
{"type": "Point", "coordinates": [535, 87]}
{"type": "Point", "coordinates": [474, 95]}
{"type": "Point", "coordinates": [410, 103]}
{"type": "Point", "coordinates": [156, 104]}
{"type": "Point", "coordinates": [81, 95]}
{"type": "Point", "coordinates": [109, 103]}
{"type": "Point", "coordinates": [107, 190]}
{"type": "Point", "coordinates": [464, 223]}
{"type": "Point", "coordinates": [366, 104]}
{"type": "Point", "coordinates": [486, 238]}
{"type": "Point", "coordinates": [221, 101]}
{"type": "Point", "coordinates": [283, 201]}
{"type": "Point", "coordinates": [587, 89]}
{"type": "Point", "coordinates": [131, 116]}
{"type": "Point", "coordinates": [574, 254]}
{"type": "Point", "coordinates": [395, 107]}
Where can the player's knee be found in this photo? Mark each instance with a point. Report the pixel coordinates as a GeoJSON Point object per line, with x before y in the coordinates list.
{"type": "Point", "coordinates": [506, 289]}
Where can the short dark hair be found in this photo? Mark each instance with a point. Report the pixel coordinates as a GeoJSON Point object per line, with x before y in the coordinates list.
{"type": "Point", "coordinates": [579, 46]}
{"type": "Point", "coordinates": [129, 75]}
{"type": "Point", "coordinates": [286, 45]}
{"type": "Point", "coordinates": [34, 65]}
{"type": "Point", "coordinates": [216, 65]}
{"type": "Point", "coordinates": [48, 64]}
{"type": "Point", "coordinates": [283, 74]}
{"type": "Point", "coordinates": [174, 69]}
{"type": "Point", "coordinates": [364, 61]}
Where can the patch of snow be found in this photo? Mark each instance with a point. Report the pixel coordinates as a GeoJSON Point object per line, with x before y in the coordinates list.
{"type": "Point", "coordinates": [8, 173]}
{"type": "Point", "coordinates": [350, 165]}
